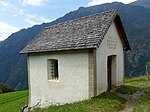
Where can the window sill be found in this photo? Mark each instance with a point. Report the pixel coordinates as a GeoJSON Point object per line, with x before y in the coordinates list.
{"type": "Point", "coordinates": [53, 80]}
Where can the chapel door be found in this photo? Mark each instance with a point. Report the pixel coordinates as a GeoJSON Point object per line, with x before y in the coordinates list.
{"type": "Point", "coordinates": [109, 73]}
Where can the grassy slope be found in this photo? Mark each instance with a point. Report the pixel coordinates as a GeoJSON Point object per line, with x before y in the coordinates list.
{"type": "Point", "coordinates": [143, 104]}
{"type": "Point", "coordinates": [12, 102]}
{"type": "Point", "coordinates": [106, 102]}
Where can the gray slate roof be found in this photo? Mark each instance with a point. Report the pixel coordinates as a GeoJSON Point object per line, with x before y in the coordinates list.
{"type": "Point", "coordinates": [83, 33]}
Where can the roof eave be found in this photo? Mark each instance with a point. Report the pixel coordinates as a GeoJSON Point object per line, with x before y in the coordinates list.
{"type": "Point", "coordinates": [122, 33]}
{"type": "Point", "coordinates": [58, 50]}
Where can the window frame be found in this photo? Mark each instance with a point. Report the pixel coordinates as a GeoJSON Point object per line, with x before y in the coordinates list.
{"type": "Point", "coordinates": [52, 70]}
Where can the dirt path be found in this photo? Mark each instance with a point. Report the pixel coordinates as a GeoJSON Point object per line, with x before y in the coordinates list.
{"type": "Point", "coordinates": [131, 100]}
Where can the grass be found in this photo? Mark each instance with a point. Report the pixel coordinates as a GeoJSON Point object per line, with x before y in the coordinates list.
{"type": "Point", "coordinates": [143, 104]}
{"type": "Point", "coordinates": [106, 102]}
{"type": "Point", "coordinates": [12, 102]}
{"type": "Point", "coordinates": [140, 82]}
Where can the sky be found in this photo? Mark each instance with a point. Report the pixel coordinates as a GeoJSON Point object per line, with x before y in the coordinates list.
{"type": "Point", "coordinates": [19, 14]}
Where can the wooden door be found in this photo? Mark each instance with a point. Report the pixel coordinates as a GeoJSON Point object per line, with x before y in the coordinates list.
{"type": "Point", "coordinates": [109, 73]}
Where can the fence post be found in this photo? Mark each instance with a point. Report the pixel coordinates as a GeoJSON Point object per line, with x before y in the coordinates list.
{"type": "Point", "coordinates": [147, 72]}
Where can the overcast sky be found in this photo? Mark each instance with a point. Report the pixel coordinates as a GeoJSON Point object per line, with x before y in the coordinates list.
{"type": "Point", "coordinates": [18, 14]}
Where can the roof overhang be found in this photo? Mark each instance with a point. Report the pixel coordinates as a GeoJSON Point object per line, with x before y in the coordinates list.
{"type": "Point", "coordinates": [122, 33]}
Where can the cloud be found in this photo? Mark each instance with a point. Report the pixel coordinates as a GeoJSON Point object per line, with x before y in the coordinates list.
{"type": "Point", "coordinates": [97, 2]}
{"type": "Point", "coordinates": [6, 30]}
{"type": "Point", "coordinates": [4, 3]}
{"type": "Point", "coordinates": [30, 18]}
{"type": "Point", "coordinates": [35, 20]}
{"type": "Point", "coordinates": [6, 6]}
{"type": "Point", "coordinates": [45, 20]}
{"type": "Point", "coordinates": [32, 2]}
{"type": "Point", "coordinates": [31, 22]}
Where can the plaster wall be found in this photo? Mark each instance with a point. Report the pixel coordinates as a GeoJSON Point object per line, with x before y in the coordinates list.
{"type": "Point", "coordinates": [111, 45]}
{"type": "Point", "coordinates": [72, 85]}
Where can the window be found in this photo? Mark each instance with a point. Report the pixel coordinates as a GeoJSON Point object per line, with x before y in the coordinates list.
{"type": "Point", "coordinates": [52, 66]}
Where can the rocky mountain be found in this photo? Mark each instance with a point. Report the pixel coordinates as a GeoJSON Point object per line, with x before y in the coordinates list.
{"type": "Point", "coordinates": [143, 3]}
{"type": "Point", "coordinates": [136, 20]}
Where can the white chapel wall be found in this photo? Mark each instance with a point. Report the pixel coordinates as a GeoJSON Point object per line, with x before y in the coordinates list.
{"type": "Point", "coordinates": [111, 45]}
{"type": "Point", "coordinates": [72, 84]}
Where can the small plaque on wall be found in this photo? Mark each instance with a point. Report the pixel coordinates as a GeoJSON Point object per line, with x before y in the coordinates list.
{"type": "Point", "coordinates": [112, 43]}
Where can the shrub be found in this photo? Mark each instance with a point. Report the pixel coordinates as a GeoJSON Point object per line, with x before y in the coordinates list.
{"type": "Point", "coordinates": [4, 88]}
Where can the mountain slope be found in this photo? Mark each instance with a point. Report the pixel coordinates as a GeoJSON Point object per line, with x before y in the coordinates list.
{"type": "Point", "coordinates": [136, 20]}
{"type": "Point", "coordinates": [13, 68]}
{"type": "Point", "coordinates": [1, 42]}
{"type": "Point", "coordinates": [143, 3]}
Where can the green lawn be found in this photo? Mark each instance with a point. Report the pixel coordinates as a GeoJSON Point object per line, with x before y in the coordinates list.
{"type": "Point", "coordinates": [12, 102]}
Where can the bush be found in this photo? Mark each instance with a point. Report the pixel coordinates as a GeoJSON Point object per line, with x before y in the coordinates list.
{"type": "Point", "coordinates": [4, 88]}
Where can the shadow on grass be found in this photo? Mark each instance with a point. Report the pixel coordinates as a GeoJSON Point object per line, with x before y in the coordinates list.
{"type": "Point", "coordinates": [125, 89]}
{"type": "Point", "coordinates": [110, 96]}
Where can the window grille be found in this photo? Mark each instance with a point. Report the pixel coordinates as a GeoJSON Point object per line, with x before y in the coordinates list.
{"type": "Point", "coordinates": [52, 69]}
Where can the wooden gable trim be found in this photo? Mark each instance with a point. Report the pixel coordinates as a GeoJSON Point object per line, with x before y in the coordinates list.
{"type": "Point", "coordinates": [122, 33]}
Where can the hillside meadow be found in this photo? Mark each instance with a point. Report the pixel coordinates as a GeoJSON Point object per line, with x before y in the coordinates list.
{"type": "Point", "coordinates": [106, 102]}
{"type": "Point", "coordinates": [12, 102]}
